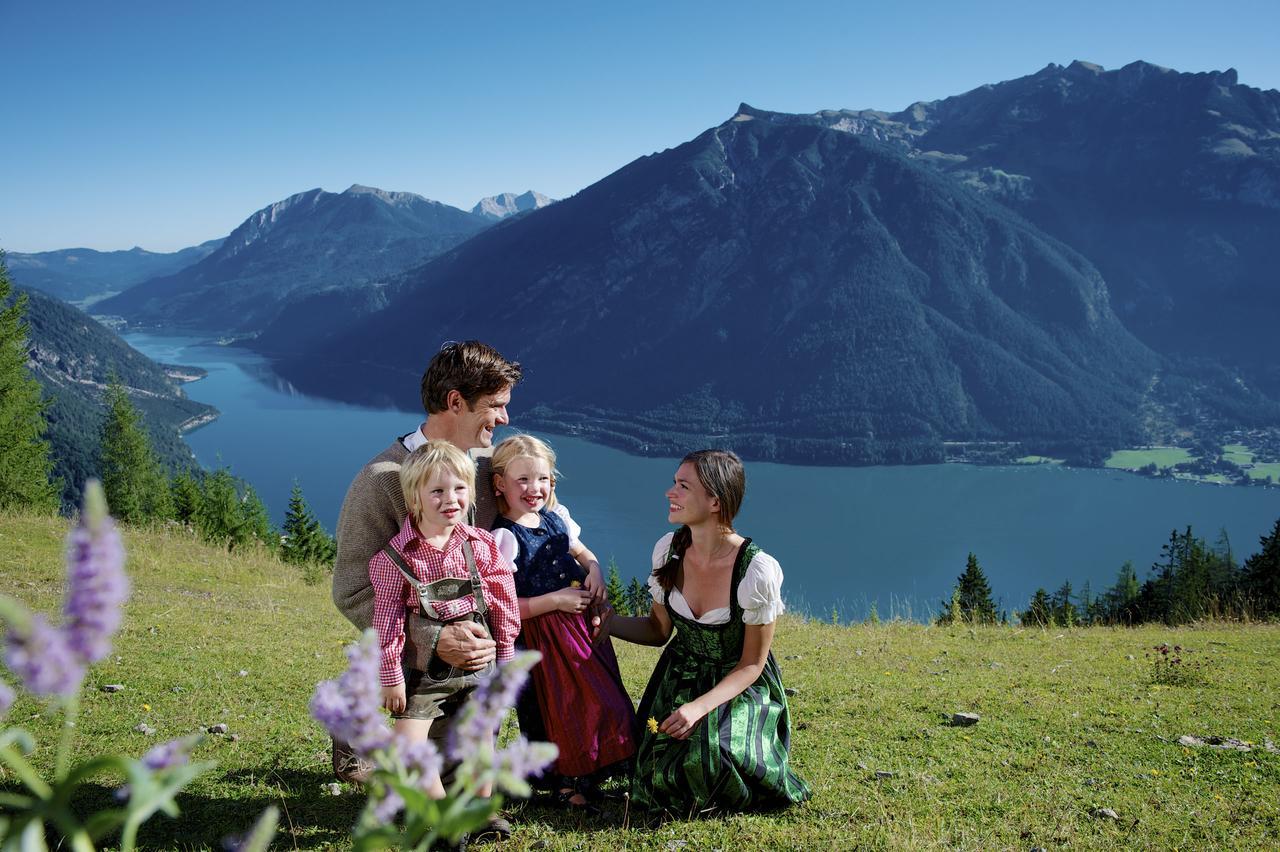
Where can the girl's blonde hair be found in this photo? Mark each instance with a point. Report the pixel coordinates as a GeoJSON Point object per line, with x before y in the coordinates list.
{"type": "Point", "coordinates": [424, 463]}
{"type": "Point", "coordinates": [520, 447]}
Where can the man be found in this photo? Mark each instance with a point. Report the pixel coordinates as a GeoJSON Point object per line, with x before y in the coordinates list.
{"type": "Point", "coordinates": [465, 392]}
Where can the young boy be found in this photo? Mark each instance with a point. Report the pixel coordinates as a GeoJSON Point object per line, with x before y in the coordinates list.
{"type": "Point", "coordinates": [436, 569]}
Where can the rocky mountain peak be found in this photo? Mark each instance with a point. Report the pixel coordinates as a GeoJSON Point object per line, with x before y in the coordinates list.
{"type": "Point", "coordinates": [506, 204]}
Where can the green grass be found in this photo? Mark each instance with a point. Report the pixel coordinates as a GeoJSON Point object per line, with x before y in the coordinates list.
{"type": "Point", "coordinates": [1262, 471]}
{"type": "Point", "coordinates": [1237, 454]}
{"type": "Point", "coordinates": [1161, 457]}
{"type": "Point", "coordinates": [1071, 721]}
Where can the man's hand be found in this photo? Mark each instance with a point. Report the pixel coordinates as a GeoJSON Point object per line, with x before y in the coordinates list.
{"type": "Point", "coordinates": [466, 645]}
{"type": "Point", "coordinates": [393, 697]}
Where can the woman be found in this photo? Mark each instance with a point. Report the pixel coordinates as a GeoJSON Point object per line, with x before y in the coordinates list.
{"type": "Point", "coordinates": [718, 732]}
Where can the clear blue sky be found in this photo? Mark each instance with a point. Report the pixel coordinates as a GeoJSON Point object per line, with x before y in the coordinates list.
{"type": "Point", "coordinates": [164, 124]}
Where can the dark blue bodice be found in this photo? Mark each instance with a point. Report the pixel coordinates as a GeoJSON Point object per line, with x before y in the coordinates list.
{"type": "Point", "coordinates": [544, 564]}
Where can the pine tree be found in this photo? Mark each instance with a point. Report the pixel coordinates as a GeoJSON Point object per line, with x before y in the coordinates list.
{"type": "Point", "coordinates": [1122, 598]}
{"type": "Point", "coordinates": [639, 601]}
{"type": "Point", "coordinates": [220, 520]}
{"type": "Point", "coordinates": [973, 595]}
{"type": "Point", "coordinates": [1064, 611]}
{"type": "Point", "coordinates": [1262, 575]}
{"type": "Point", "coordinates": [305, 541]}
{"type": "Point", "coordinates": [257, 522]}
{"type": "Point", "coordinates": [185, 493]}
{"type": "Point", "coordinates": [613, 589]}
{"type": "Point", "coordinates": [136, 487]}
{"type": "Point", "coordinates": [1039, 612]}
{"type": "Point", "coordinates": [24, 453]}
{"type": "Point", "coordinates": [1087, 605]}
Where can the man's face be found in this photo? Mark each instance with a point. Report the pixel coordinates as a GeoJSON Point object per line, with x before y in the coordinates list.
{"type": "Point", "coordinates": [480, 417]}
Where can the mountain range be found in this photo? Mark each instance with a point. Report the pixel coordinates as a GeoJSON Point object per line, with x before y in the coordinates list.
{"type": "Point", "coordinates": [1076, 260]}
{"type": "Point", "coordinates": [80, 274]}
{"type": "Point", "coordinates": [865, 286]}
{"type": "Point", "coordinates": [811, 294]}
{"type": "Point", "coordinates": [312, 242]}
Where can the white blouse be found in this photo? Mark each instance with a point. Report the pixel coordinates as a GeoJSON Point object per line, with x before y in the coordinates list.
{"type": "Point", "coordinates": [509, 545]}
{"type": "Point", "coordinates": [759, 593]}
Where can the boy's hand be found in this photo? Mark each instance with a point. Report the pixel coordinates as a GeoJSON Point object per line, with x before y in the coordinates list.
{"type": "Point", "coordinates": [393, 697]}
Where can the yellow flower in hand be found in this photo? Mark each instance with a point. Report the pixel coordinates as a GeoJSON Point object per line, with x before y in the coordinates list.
{"type": "Point", "coordinates": [574, 584]}
{"type": "Point", "coordinates": [652, 725]}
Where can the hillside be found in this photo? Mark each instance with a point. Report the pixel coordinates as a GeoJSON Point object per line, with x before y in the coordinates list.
{"type": "Point", "coordinates": [1168, 182]}
{"type": "Point", "coordinates": [801, 293]}
{"type": "Point", "coordinates": [1070, 721]}
{"type": "Point", "coordinates": [80, 274]}
{"type": "Point", "coordinates": [73, 356]}
{"type": "Point", "coordinates": [310, 242]}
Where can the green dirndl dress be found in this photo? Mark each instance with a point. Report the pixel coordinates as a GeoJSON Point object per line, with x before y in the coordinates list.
{"type": "Point", "coordinates": [737, 758]}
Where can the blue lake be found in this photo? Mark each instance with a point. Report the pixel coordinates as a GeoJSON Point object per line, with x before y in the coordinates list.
{"type": "Point", "coordinates": [847, 538]}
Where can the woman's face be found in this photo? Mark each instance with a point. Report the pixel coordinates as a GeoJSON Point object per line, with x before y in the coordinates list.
{"type": "Point", "coordinates": [687, 501]}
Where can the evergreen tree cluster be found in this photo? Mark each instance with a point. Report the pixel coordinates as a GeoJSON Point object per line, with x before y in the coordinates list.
{"type": "Point", "coordinates": [25, 465]}
{"type": "Point", "coordinates": [1192, 580]}
{"type": "Point", "coordinates": [631, 599]}
{"type": "Point", "coordinates": [139, 489]}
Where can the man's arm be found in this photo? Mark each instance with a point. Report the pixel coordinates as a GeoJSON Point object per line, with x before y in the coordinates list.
{"type": "Point", "coordinates": [371, 515]}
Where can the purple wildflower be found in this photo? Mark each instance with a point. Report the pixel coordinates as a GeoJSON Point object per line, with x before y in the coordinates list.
{"type": "Point", "coordinates": [388, 807]}
{"type": "Point", "coordinates": [521, 759]}
{"type": "Point", "coordinates": [349, 707]}
{"type": "Point", "coordinates": [487, 706]}
{"type": "Point", "coordinates": [96, 582]}
{"type": "Point", "coordinates": [421, 757]}
{"type": "Point", "coordinates": [170, 755]}
{"type": "Point", "coordinates": [6, 698]}
{"type": "Point", "coordinates": [39, 653]}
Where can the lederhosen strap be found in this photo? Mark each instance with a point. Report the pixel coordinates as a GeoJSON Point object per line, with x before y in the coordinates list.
{"type": "Point", "coordinates": [445, 589]}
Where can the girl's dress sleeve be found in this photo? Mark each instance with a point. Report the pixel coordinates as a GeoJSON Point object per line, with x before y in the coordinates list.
{"type": "Point", "coordinates": [659, 559]}
{"type": "Point", "coordinates": [760, 592]}
{"type": "Point", "coordinates": [508, 545]}
{"type": "Point", "coordinates": [575, 531]}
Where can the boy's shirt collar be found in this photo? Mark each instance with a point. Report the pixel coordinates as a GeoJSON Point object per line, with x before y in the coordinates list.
{"type": "Point", "coordinates": [408, 540]}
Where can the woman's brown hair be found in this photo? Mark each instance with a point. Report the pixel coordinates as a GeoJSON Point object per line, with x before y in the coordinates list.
{"type": "Point", "coordinates": [720, 472]}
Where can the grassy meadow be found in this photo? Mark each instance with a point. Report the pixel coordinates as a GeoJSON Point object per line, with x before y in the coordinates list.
{"type": "Point", "coordinates": [1072, 721]}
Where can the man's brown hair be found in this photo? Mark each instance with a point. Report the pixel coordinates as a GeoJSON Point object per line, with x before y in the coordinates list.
{"type": "Point", "coordinates": [472, 368]}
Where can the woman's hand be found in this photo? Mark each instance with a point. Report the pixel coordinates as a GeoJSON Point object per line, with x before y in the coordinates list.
{"type": "Point", "coordinates": [601, 617]}
{"type": "Point", "coordinates": [393, 697]}
{"type": "Point", "coordinates": [680, 724]}
{"type": "Point", "coordinates": [572, 600]}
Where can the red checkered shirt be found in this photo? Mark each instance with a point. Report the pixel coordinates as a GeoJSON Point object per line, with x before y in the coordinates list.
{"type": "Point", "coordinates": [392, 594]}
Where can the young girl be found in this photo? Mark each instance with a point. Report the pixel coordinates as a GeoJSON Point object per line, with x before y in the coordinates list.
{"type": "Point", "coordinates": [577, 700]}
{"type": "Point", "coordinates": [465, 576]}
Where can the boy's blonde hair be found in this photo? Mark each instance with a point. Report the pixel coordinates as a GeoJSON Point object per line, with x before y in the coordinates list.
{"type": "Point", "coordinates": [425, 462]}
{"type": "Point", "coordinates": [520, 447]}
